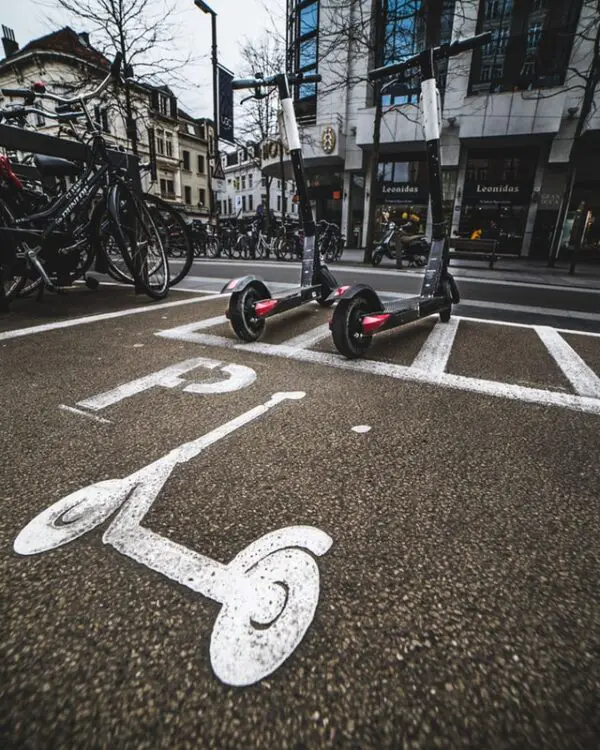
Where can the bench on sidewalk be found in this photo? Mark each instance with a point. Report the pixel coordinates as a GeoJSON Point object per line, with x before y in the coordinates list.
{"type": "Point", "coordinates": [481, 249]}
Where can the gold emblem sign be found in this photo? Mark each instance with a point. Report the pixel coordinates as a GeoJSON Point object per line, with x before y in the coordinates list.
{"type": "Point", "coordinates": [328, 140]}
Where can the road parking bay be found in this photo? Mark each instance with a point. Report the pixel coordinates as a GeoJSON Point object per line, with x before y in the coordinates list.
{"type": "Point", "coordinates": [458, 602]}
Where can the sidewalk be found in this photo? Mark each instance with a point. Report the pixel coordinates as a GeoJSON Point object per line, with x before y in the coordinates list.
{"type": "Point", "coordinates": [520, 269]}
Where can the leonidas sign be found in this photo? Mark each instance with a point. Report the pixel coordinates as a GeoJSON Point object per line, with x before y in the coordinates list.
{"type": "Point", "coordinates": [402, 192]}
{"type": "Point", "coordinates": [502, 192]}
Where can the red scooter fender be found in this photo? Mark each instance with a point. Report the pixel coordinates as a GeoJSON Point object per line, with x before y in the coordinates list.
{"type": "Point", "coordinates": [358, 290]}
{"type": "Point", "coordinates": [239, 284]}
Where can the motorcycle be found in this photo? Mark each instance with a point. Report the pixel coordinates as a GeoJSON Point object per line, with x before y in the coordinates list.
{"type": "Point", "coordinates": [414, 248]}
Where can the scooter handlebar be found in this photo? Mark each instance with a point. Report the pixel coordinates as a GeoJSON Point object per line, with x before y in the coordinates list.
{"type": "Point", "coordinates": [439, 53]}
{"type": "Point", "coordinates": [259, 81]}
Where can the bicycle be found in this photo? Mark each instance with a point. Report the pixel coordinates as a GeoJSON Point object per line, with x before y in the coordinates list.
{"type": "Point", "coordinates": [33, 240]}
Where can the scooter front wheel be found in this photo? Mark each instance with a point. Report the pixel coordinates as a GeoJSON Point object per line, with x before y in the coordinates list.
{"type": "Point", "coordinates": [346, 327]}
{"type": "Point", "coordinates": [242, 317]}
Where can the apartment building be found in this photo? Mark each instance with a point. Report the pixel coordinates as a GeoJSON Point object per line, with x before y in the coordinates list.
{"type": "Point", "coordinates": [180, 144]}
{"type": "Point", "coordinates": [246, 187]}
{"type": "Point", "coordinates": [509, 114]}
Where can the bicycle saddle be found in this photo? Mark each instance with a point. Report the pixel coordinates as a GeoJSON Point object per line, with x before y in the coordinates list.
{"type": "Point", "coordinates": [52, 166]}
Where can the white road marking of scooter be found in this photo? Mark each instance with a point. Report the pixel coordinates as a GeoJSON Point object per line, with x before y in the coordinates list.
{"type": "Point", "coordinates": [269, 591]}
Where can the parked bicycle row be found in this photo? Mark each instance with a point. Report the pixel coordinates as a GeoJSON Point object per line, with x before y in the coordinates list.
{"type": "Point", "coordinates": [252, 239]}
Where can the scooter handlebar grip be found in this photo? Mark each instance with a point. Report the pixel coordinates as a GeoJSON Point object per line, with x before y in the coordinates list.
{"type": "Point", "coordinates": [299, 78]}
{"type": "Point", "coordinates": [246, 83]}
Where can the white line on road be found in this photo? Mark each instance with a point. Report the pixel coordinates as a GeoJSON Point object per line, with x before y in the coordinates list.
{"type": "Point", "coordinates": [19, 332]}
{"type": "Point", "coordinates": [79, 412]}
{"type": "Point", "coordinates": [582, 378]}
{"type": "Point", "coordinates": [434, 354]}
{"type": "Point", "coordinates": [310, 338]}
{"type": "Point", "coordinates": [400, 372]}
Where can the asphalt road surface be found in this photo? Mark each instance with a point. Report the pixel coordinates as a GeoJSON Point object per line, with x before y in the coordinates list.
{"type": "Point", "coordinates": [207, 544]}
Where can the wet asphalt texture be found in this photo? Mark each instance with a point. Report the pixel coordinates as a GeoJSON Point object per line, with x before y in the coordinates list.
{"type": "Point", "coordinates": [459, 604]}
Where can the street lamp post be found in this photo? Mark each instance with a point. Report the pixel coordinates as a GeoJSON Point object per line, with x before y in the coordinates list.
{"type": "Point", "coordinates": [213, 18]}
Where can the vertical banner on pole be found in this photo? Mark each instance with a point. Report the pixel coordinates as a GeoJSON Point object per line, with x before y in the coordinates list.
{"type": "Point", "coordinates": [225, 104]}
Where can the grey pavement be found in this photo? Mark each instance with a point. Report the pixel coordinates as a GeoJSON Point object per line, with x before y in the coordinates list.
{"type": "Point", "coordinates": [459, 603]}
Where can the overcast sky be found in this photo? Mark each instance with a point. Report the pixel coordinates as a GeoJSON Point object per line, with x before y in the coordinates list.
{"type": "Point", "coordinates": [237, 20]}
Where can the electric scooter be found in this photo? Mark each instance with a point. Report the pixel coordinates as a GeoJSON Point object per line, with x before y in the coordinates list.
{"type": "Point", "coordinates": [251, 302]}
{"type": "Point", "coordinates": [360, 312]}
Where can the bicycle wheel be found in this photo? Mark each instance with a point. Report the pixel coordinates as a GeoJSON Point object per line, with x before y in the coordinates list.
{"type": "Point", "coordinates": [175, 235]}
{"type": "Point", "coordinates": [140, 243]}
{"type": "Point", "coordinates": [13, 275]}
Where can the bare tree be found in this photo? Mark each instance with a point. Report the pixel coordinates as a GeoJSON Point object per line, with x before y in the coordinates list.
{"type": "Point", "coordinates": [257, 118]}
{"type": "Point", "coordinates": [144, 32]}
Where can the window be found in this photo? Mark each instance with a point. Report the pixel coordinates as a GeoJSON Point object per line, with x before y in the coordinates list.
{"type": "Point", "coordinates": [101, 118]}
{"type": "Point", "coordinates": [250, 180]}
{"type": "Point", "coordinates": [201, 164]}
{"type": "Point", "coordinates": [168, 144]}
{"type": "Point", "coordinates": [160, 142]}
{"type": "Point", "coordinates": [305, 51]}
{"type": "Point", "coordinates": [186, 161]}
{"type": "Point", "coordinates": [202, 193]}
{"type": "Point", "coordinates": [243, 182]}
{"type": "Point", "coordinates": [279, 202]}
{"type": "Point", "coordinates": [263, 182]}
{"type": "Point", "coordinates": [250, 203]}
{"type": "Point", "coordinates": [201, 132]}
{"type": "Point", "coordinates": [243, 202]}
{"type": "Point", "coordinates": [190, 128]}
{"type": "Point", "coordinates": [188, 194]}
{"type": "Point", "coordinates": [534, 34]}
{"type": "Point", "coordinates": [229, 206]}
{"type": "Point", "coordinates": [167, 188]}
{"type": "Point", "coordinates": [407, 27]}
{"type": "Point", "coordinates": [163, 105]}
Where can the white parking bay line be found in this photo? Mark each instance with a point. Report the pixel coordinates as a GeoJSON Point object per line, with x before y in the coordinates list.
{"type": "Point", "coordinates": [19, 332]}
{"type": "Point", "coordinates": [308, 339]}
{"type": "Point", "coordinates": [583, 379]}
{"type": "Point", "coordinates": [434, 354]}
{"type": "Point", "coordinates": [81, 413]}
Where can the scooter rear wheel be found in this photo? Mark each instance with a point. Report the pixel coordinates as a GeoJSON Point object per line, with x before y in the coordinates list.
{"type": "Point", "coordinates": [245, 324]}
{"type": "Point", "coordinates": [346, 327]}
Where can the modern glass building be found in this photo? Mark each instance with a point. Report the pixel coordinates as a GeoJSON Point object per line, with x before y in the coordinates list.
{"type": "Point", "coordinates": [509, 112]}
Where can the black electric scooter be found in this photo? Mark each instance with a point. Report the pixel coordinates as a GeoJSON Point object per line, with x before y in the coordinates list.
{"type": "Point", "coordinates": [251, 302]}
{"type": "Point", "coordinates": [360, 313]}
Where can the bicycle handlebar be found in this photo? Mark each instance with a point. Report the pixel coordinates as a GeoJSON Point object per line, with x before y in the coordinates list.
{"type": "Point", "coordinates": [23, 93]}
{"type": "Point", "coordinates": [258, 81]}
{"type": "Point", "coordinates": [16, 112]}
{"type": "Point", "coordinates": [439, 53]}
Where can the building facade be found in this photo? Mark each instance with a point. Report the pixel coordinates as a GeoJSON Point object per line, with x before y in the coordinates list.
{"type": "Point", "coordinates": [246, 187]}
{"type": "Point", "coordinates": [180, 145]}
{"type": "Point", "coordinates": [509, 113]}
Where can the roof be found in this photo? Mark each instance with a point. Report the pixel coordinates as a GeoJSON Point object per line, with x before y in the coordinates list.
{"type": "Point", "coordinates": [64, 40]}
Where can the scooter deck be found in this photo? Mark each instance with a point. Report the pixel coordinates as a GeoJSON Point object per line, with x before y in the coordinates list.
{"type": "Point", "coordinates": [413, 308]}
{"type": "Point", "coordinates": [304, 293]}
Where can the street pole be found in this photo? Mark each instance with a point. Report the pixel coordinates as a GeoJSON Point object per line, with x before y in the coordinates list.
{"type": "Point", "coordinates": [214, 59]}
